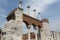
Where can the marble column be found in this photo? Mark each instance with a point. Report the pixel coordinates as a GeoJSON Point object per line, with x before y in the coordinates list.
{"type": "Point", "coordinates": [36, 31]}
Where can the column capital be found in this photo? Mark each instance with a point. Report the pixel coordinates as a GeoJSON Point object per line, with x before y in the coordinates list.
{"type": "Point", "coordinates": [36, 28]}
{"type": "Point", "coordinates": [36, 33]}
{"type": "Point", "coordinates": [29, 26]}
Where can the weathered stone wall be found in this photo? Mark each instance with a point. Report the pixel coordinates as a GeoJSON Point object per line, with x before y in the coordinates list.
{"type": "Point", "coordinates": [13, 28]}
{"type": "Point", "coordinates": [55, 35]}
{"type": "Point", "coordinates": [45, 33]}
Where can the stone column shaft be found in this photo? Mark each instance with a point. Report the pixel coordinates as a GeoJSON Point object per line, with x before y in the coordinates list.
{"type": "Point", "coordinates": [28, 34]}
{"type": "Point", "coordinates": [36, 36]}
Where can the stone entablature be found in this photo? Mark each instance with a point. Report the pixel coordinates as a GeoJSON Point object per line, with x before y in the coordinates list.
{"type": "Point", "coordinates": [27, 19]}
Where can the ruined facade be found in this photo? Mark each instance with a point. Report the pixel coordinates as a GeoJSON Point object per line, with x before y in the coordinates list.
{"type": "Point", "coordinates": [12, 29]}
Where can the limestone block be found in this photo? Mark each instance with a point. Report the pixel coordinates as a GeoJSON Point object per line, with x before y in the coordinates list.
{"type": "Point", "coordinates": [9, 37]}
{"type": "Point", "coordinates": [19, 15]}
{"type": "Point", "coordinates": [17, 37]}
{"type": "Point", "coordinates": [46, 26]}
{"type": "Point", "coordinates": [18, 11]}
{"type": "Point", "coordinates": [6, 37]}
{"type": "Point", "coordinates": [8, 27]}
{"type": "Point", "coordinates": [13, 27]}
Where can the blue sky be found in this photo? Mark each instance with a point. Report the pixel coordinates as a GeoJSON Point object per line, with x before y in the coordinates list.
{"type": "Point", "coordinates": [49, 9]}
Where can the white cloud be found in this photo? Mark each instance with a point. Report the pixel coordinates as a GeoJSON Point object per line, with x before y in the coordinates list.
{"type": "Point", "coordinates": [2, 12]}
{"type": "Point", "coordinates": [39, 5]}
{"type": "Point", "coordinates": [55, 24]}
{"type": "Point", "coordinates": [2, 16]}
